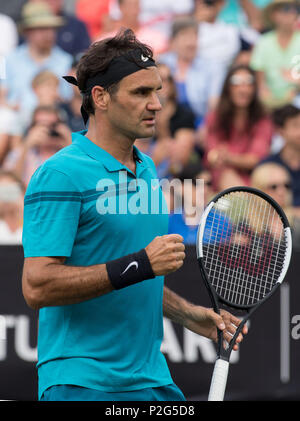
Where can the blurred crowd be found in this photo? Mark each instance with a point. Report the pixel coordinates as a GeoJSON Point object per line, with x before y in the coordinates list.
{"type": "Point", "coordinates": [231, 93]}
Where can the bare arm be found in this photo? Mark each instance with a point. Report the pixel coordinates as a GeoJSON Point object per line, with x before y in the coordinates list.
{"type": "Point", "coordinates": [200, 320]}
{"type": "Point", "coordinates": [253, 13]}
{"type": "Point", "coordinates": [47, 281]}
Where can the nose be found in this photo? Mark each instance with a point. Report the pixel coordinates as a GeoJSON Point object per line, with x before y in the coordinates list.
{"type": "Point", "coordinates": [154, 104]}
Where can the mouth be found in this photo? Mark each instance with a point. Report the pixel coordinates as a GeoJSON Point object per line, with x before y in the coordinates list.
{"type": "Point", "coordinates": [149, 121]}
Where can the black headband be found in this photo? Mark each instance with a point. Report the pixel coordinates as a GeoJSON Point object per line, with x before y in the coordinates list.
{"type": "Point", "coordinates": [118, 68]}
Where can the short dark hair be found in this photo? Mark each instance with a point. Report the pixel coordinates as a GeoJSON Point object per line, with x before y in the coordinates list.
{"type": "Point", "coordinates": [98, 57]}
{"type": "Point", "coordinates": [183, 23]}
{"type": "Point", "coordinates": [282, 114]}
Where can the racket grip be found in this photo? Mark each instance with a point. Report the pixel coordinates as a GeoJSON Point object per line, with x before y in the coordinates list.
{"type": "Point", "coordinates": [218, 381]}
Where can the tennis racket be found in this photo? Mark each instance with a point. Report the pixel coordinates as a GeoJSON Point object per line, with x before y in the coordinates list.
{"type": "Point", "coordinates": [244, 248]}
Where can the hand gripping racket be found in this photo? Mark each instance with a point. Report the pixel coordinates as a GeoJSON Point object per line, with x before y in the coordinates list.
{"type": "Point", "coordinates": [243, 248]}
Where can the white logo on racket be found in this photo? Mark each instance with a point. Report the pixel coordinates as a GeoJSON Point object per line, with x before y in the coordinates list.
{"type": "Point", "coordinates": [135, 263]}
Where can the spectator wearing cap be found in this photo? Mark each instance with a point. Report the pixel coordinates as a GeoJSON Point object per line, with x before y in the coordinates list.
{"type": "Point", "coordinates": [37, 53]}
{"type": "Point", "coordinates": [72, 36]}
{"type": "Point", "coordinates": [273, 55]}
{"type": "Point", "coordinates": [287, 123]}
{"type": "Point", "coordinates": [237, 135]}
{"type": "Point", "coordinates": [199, 81]}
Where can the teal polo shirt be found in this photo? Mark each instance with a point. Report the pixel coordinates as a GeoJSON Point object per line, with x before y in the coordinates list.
{"type": "Point", "coordinates": [75, 206]}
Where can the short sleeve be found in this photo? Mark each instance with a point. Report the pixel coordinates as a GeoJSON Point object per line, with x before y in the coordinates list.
{"type": "Point", "coordinates": [52, 207]}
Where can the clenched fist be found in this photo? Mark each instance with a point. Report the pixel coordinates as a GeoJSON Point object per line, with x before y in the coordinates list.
{"type": "Point", "coordinates": [166, 253]}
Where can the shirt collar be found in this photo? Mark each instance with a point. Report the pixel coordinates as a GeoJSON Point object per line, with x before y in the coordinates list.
{"type": "Point", "coordinates": [99, 154]}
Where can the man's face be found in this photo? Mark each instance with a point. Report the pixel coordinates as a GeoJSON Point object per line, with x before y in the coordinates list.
{"type": "Point", "coordinates": [208, 11]}
{"type": "Point", "coordinates": [291, 131]}
{"type": "Point", "coordinates": [131, 111]}
{"type": "Point", "coordinates": [185, 43]}
{"type": "Point", "coordinates": [285, 16]}
{"type": "Point", "coordinates": [41, 38]}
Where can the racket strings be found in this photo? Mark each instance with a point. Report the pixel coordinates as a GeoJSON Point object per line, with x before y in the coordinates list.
{"type": "Point", "coordinates": [244, 247]}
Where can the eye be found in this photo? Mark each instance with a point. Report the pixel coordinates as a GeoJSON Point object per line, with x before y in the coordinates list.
{"type": "Point", "coordinates": [143, 91]}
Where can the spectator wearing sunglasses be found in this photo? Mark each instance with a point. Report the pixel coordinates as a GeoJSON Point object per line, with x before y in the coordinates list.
{"type": "Point", "coordinates": [287, 123]}
{"type": "Point", "coordinates": [273, 55]}
{"type": "Point", "coordinates": [275, 180]}
{"type": "Point", "coordinates": [238, 134]}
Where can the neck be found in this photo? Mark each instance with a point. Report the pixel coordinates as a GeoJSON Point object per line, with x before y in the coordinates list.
{"type": "Point", "coordinates": [39, 54]}
{"type": "Point", "coordinates": [241, 114]}
{"type": "Point", "coordinates": [115, 143]}
{"type": "Point", "coordinates": [285, 32]}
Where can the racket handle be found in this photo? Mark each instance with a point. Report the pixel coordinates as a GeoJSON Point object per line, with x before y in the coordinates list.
{"type": "Point", "coordinates": [218, 381]}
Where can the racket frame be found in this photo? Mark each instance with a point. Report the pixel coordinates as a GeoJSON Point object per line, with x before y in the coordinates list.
{"type": "Point", "coordinates": [223, 353]}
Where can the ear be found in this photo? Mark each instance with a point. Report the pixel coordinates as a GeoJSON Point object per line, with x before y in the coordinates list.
{"type": "Point", "coordinates": [100, 97]}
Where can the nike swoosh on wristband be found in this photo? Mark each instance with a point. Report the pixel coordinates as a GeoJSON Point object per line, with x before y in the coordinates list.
{"type": "Point", "coordinates": [134, 263]}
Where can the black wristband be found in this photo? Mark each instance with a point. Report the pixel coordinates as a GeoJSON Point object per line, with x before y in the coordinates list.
{"type": "Point", "coordinates": [129, 270]}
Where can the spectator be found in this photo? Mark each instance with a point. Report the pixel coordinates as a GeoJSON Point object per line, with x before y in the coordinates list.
{"type": "Point", "coordinates": [46, 136]}
{"type": "Point", "coordinates": [72, 36]}
{"type": "Point", "coordinates": [180, 221]}
{"type": "Point", "coordinates": [275, 180]}
{"type": "Point", "coordinates": [130, 18]}
{"type": "Point", "coordinates": [238, 134]}
{"type": "Point", "coordinates": [175, 133]}
{"type": "Point", "coordinates": [273, 55]}
{"type": "Point", "coordinates": [38, 53]}
{"type": "Point", "coordinates": [12, 192]}
{"type": "Point", "coordinates": [45, 86]}
{"type": "Point", "coordinates": [218, 41]}
{"type": "Point", "coordinates": [198, 81]}
{"type": "Point", "coordinates": [8, 35]}
{"type": "Point", "coordinates": [287, 122]}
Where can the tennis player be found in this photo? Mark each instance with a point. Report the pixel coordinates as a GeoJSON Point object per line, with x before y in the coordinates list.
{"type": "Point", "coordinates": [97, 274]}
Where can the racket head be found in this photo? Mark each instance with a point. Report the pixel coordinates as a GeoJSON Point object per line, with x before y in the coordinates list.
{"type": "Point", "coordinates": [243, 247]}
